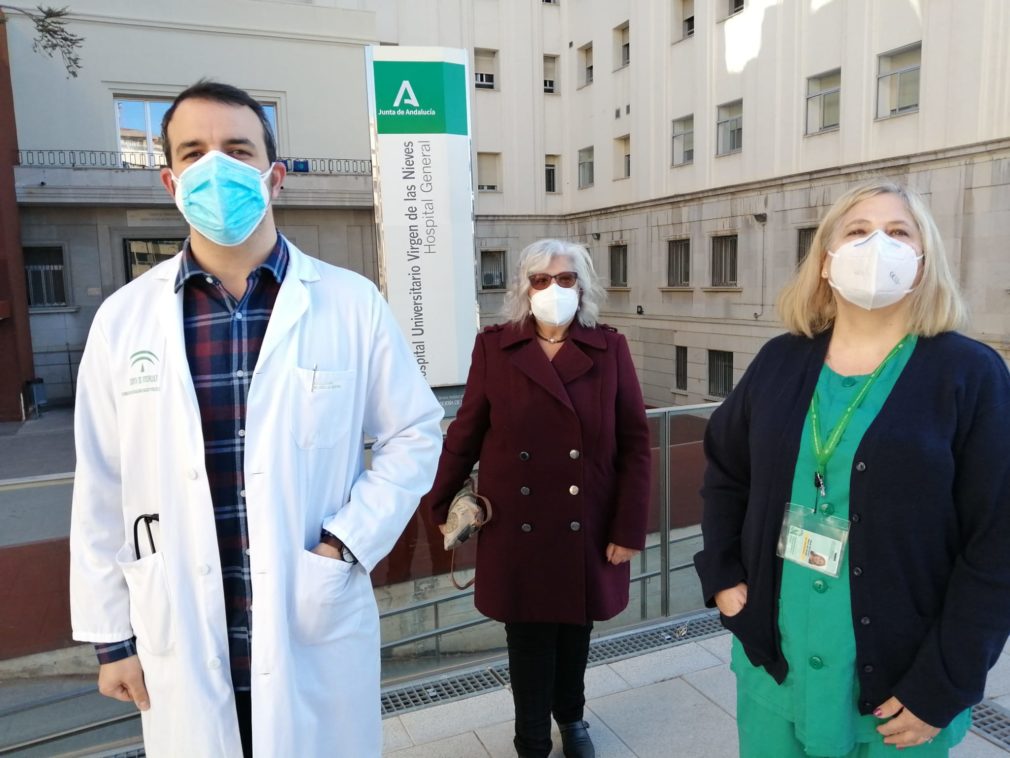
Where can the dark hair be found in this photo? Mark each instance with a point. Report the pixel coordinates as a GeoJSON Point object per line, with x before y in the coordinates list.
{"type": "Point", "coordinates": [205, 89]}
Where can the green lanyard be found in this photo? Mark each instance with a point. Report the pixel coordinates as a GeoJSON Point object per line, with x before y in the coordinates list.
{"type": "Point", "coordinates": [823, 451]}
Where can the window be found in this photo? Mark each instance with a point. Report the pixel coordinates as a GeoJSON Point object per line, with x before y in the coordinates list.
{"type": "Point", "coordinates": [678, 263]}
{"type": "Point", "coordinates": [622, 45]}
{"type": "Point", "coordinates": [898, 81]}
{"type": "Point", "coordinates": [680, 368]}
{"type": "Point", "coordinates": [622, 157]}
{"type": "Point", "coordinates": [485, 65]}
{"type": "Point", "coordinates": [492, 269]}
{"type": "Point", "coordinates": [724, 261]}
{"type": "Point", "coordinates": [143, 255]}
{"type": "Point", "coordinates": [683, 140]}
{"type": "Point", "coordinates": [550, 74]}
{"type": "Point", "coordinates": [729, 128]}
{"type": "Point", "coordinates": [683, 18]}
{"type": "Point", "coordinates": [720, 373]}
{"type": "Point", "coordinates": [822, 101]}
{"type": "Point", "coordinates": [618, 265]}
{"type": "Point", "coordinates": [804, 239]}
{"type": "Point", "coordinates": [550, 2]}
{"type": "Point", "coordinates": [138, 129]}
{"type": "Point", "coordinates": [551, 173]}
{"type": "Point", "coordinates": [585, 167]}
{"type": "Point", "coordinates": [734, 6]}
{"type": "Point", "coordinates": [487, 172]}
{"type": "Point", "coordinates": [586, 65]}
{"type": "Point", "coordinates": [45, 275]}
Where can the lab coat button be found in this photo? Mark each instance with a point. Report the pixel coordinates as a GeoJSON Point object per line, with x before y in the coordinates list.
{"type": "Point", "coordinates": [820, 586]}
{"type": "Point", "coordinates": [214, 664]}
{"type": "Point", "coordinates": [865, 621]}
{"type": "Point", "coordinates": [203, 569]}
{"type": "Point", "coordinates": [573, 490]}
{"type": "Point", "coordinates": [194, 474]}
{"type": "Point", "coordinates": [816, 662]}
{"type": "Point", "coordinates": [860, 466]}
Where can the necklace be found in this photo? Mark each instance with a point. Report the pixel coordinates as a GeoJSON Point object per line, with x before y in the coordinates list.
{"type": "Point", "coordinates": [551, 340]}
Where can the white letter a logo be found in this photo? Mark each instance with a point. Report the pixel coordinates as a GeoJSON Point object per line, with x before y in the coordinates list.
{"type": "Point", "coordinates": [406, 95]}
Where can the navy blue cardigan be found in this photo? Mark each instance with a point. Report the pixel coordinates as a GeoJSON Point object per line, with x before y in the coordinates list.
{"type": "Point", "coordinates": [929, 546]}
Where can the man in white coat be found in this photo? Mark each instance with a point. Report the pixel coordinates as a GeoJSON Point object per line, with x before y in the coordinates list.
{"type": "Point", "coordinates": [222, 404]}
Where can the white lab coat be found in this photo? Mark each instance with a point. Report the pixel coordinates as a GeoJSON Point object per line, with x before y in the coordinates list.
{"type": "Point", "coordinates": [333, 368]}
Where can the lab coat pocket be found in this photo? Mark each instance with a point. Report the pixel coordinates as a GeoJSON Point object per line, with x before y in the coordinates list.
{"type": "Point", "coordinates": [319, 404]}
{"type": "Point", "coordinates": [150, 604]}
{"type": "Point", "coordinates": [329, 598]}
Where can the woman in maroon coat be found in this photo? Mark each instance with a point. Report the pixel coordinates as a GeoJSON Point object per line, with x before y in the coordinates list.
{"type": "Point", "coordinates": [554, 413]}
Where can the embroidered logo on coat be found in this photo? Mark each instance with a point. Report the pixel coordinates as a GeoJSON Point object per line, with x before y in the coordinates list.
{"type": "Point", "coordinates": [143, 375]}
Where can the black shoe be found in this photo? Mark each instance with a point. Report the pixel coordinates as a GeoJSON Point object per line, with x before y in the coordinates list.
{"type": "Point", "coordinates": [575, 741]}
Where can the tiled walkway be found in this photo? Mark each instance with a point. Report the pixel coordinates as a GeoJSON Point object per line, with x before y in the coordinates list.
{"type": "Point", "coordinates": [680, 701]}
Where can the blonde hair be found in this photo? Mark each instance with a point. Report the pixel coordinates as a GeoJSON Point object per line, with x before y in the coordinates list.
{"type": "Point", "coordinates": [807, 304]}
{"type": "Point", "coordinates": [537, 257]}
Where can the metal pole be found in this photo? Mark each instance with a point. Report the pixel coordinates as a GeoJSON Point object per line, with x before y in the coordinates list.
{"type": "Point", "coordinates": [664, 512]}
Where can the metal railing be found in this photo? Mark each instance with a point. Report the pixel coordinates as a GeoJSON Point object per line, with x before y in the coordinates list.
{"type": "Point", "coordinates": [131, 160]}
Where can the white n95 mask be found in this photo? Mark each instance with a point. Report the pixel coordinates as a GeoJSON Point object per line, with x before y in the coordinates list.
{"type": "Point", "coordinates": [555, 305]}
{"type": "Point", "coordinates": [875, 271]}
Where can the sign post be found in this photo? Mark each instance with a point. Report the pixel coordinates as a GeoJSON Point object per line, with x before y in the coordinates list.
{"type": "Point", "coordinates": [419, 113]}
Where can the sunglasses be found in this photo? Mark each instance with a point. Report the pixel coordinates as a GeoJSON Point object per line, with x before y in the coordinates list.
{"type": "Point", "coordinates": [565, 279]}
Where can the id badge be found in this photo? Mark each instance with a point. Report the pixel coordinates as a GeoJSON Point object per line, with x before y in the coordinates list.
{"type": "Point", "coordinates": [813, 541]}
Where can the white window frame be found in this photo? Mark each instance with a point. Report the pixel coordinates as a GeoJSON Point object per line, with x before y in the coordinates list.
{"type": "Point", "coordinates": [496, 280]}
{"type": "Point", "coordinates": [551, 174]}
{"type": "Point", "coordinates": [586, 65]}
{"type": "Point", "coordinates": [818, 98]}
{"type": "Point", "coordinates": [729, 128]}
{"type": "Point", "coordinates": [42, 278]}
{"type": "Point", "coordinates": [682, 141]}
{"type": "Point", "coordinates": [587, 160]}
{"type": "Point", "coordinates": [482, 184]}
{"type": "Point", "coordinates": [889, 84]}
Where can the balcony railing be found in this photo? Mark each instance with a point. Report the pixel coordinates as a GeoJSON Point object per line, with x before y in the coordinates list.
{"type": "Point", "coordinates": [119, 159]}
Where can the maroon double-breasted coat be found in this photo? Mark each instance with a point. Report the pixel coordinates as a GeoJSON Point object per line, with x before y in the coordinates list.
{"type": "Point", "coordinates": [564, 458]}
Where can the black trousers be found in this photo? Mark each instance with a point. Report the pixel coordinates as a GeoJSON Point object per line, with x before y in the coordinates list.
{"type": "Point", "coordinates": [547, 667]}
{"type": "Point", "coordinates": [243, 706]}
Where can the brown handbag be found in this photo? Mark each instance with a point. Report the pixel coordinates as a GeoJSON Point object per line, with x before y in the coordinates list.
{"type": "Point", "coordinates": [468, 513]}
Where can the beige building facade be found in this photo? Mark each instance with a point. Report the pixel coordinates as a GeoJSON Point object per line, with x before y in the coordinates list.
{"type": "Point", "coordinates": [690, 144]}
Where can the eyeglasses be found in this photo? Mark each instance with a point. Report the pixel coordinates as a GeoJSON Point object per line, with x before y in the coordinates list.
{"type": "Point", "coordinates": [565, 279]}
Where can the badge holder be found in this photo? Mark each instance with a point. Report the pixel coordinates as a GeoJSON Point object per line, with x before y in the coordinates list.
{"type": "Point", "coordinates": [813, 541]}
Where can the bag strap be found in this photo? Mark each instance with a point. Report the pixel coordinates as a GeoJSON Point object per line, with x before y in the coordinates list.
{"type": "Point", "coordinates": [452, 557]}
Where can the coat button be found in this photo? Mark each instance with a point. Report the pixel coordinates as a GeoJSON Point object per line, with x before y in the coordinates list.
{"type": "Point", "coordinates": [860, 466]}
{"type": "Point", "coordinates": [524, 456]}
{"type": "Point", "coordinates": [193, 474]}
{"type": "Point", "coordinates": [816, 662]}
{"type": "Point", "coordinates": [820, 586]}
{"type": "Point", "coordinates": [203, 569]}
{"type": "Point", "coordinates": [573, 490]}
{"type": "Point", "coordinates": [855, 518]}
{"type": "Point", "coordinates": [524, 490]}
{"type": "Point", "coordinates": [865, 621]}
{"type": "Point", "coordinates": [214, 664]}
{"type": "Point", "coordinates": [868, 669]}
{"type": "Point", "coordinates": [575, 526]}
{"type": "Point", "coordinates": [857, 571]}
{"type": "Point", "coordinates": [826, 508]}
{"type": "Point", "coordinates": [527, 527]}
{"type": "Point", "coordinates": [574, 454]}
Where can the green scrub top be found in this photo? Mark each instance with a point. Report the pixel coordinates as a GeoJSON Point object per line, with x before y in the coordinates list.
{"type": "Point", "coordinates": [820, 693]}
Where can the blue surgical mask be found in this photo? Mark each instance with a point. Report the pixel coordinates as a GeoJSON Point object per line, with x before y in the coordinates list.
{"type": "Point", "coordinates": [222, 198]}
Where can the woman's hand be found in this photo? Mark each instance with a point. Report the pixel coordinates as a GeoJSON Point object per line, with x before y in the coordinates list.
{"type": "Point", "coordinates": [731, 601]}
{"type": "Point", "coordinates": [617, 554]}
{"type": "Point", "coordinates": [904, 728]}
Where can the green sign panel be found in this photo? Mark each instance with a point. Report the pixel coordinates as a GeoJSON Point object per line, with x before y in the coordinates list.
{"type": "Point", "coordinates": [420, 97]}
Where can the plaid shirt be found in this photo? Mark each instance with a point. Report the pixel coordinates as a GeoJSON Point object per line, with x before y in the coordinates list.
{"type": "Point", "coordinates": [223, 339]}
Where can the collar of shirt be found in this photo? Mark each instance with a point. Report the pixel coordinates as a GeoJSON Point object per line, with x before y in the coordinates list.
{"type": "Point", "coordinates": [276, 263]}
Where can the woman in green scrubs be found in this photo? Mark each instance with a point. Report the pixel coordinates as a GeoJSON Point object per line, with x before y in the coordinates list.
{"type": "Point", "coordinates": [843, 500]}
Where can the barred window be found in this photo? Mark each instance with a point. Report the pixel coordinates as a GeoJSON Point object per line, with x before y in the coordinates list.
{"type": "Point", "coordinates": [804, 239]}
{"type": "Point", "coordinates": [618, 265]}
{"type": "Point", "coordinates": [680, 368]}
{"type": "Point", "coordinates": [492, 269]}
{"type": "Point", "coordinates": [45, 276]}
{"type": "Point", "coordinates": [724, 261]}
{"type": "Point", "coordinates": [678, 267]}
{"type": "Point", "coordinates": [720, 373]}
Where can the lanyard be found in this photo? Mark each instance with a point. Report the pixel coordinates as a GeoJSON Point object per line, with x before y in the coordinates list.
{"type": "Point", "coordinates": [824, 450]}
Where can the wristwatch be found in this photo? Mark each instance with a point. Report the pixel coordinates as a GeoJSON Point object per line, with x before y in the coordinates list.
{"type": "Point", "coordinates": [333, 541]}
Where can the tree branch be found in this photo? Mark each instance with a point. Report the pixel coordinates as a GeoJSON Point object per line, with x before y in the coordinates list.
{"type": "Point", "coordinates": [51, 34]}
